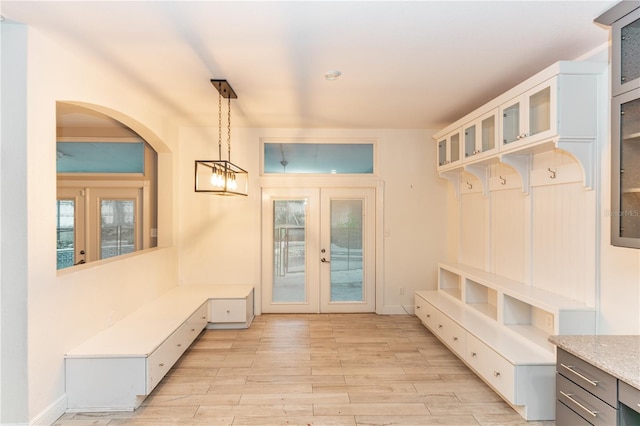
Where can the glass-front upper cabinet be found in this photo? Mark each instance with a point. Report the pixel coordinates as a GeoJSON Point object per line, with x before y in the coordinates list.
{"type": "Point", "coordinates": [530, 117]}
{"type": "Point", "coordinates": [449, 150]}
{"type": "Point", "coordinates": [626, 53]}
{"type": "Point", "coordinates": [625, 182]}
{"type": "Point", "coordinates": [480, 136]}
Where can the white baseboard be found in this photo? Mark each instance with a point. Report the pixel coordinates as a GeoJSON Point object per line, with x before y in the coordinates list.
{"type": "Point", "coordinates": [49, 415]}
{"type": "Point", "coordinates": [397, 310]}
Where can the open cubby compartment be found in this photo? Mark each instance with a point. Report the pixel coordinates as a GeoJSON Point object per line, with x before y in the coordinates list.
{"type": "Point", "coordinates": [482, 298]}
{"type": "Point", "coordinates": [450, 283]}
{"type": "Point", "coordinates": [529, 321]}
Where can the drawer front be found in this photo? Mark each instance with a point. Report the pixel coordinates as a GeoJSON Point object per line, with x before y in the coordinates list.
{"type": "Point", "coordinates": [496, 370]}
{"type": "Point", "coordinates": [196, 323]}
{"type": "Point", "coordinates": [421, 311]}
{"type": "Point", "coordinates": [586, 405]}
{"type": "Point", "coordinates": [451, 333]}
{"type": "Point", "coordinates": [629, 396]}
{"type": "Point", "coordinates": [591, 378]}
{"type": "Point", "coordinates": [566, 417]}
{"type": "Point", "coordinates": [228, 310]}
{"type": "Point", "coordinates": [162, 359]}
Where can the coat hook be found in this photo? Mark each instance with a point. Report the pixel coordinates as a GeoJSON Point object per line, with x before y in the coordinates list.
{"type": "Point", "coordinates": [469, 185]}
{"type": "Point", "coordinates": [552, 173]}
{"type": "Point", "coordinates": [503, 181]}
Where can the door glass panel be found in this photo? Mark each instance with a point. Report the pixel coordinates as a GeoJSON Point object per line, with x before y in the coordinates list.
{"type": "Point", "coordinates": [289, 254]}
{"type": "Point", "coordinates": [630, 52]}
{"type": "Point", "coordinates": [630, 169]}
{"type": "Point", "coordinates": [540, 111]}
{"type": "Point", "coordinates": [65, 230]}
{"type": "Point", "coordinates": [469, 141]}
{"type": "Point", "coordinates": [346, 251]}
{"type": "Point", "coordinates": [117, 227]}
{"type": "Point", "coordinates": [511, 123]}
{"type": "Point", "coordinates": [489, 133]}
{"type": "Point", "coordinates": [455, 147]}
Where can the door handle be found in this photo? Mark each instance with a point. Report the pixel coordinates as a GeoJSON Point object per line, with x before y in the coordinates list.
{"type": "Point", "coordinates": [323, 260]}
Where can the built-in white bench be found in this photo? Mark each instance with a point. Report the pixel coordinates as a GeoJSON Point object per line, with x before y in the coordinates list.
{"type": "Point", "coordinates": [117, 368]}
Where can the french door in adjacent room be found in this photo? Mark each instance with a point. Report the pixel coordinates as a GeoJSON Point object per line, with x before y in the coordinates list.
{"type": "Point", "coordinates": [318, 250]}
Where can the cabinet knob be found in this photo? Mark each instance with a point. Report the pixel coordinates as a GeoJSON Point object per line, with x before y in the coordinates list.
{"type": "Point", "coordinates": [428, 315]}
{"type": "Point", "coordinates": [473, 354]}
{"type": "Point", "coordinates": [193, 329]}
{"type": "Point", "coordinates": [161, 364]}
{"type": "Point", "coordinates": [228, 311]}
{"type": "Point", "coordinates": [417, 307]}
{"type": "Point", "coordinates": [179, 344]}
{"type": "Point", "coordinates": [455, 339]}
{"type": "Point", "coordinates": [496, 374]}
{"type": "Point", "coordinates": [439, 325]}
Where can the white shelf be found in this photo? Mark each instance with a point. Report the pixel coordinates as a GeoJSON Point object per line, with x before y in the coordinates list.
{"type": "Point", "coordinates": [633, 137]}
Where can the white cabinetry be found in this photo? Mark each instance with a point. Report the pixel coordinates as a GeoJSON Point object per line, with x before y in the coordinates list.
{"type": "Point", "coordinates": [555, 109]}
{"type": "Point", "coordinates": [500, 329]}
{"type": "Point", "coordinates": [230, 313]}
{"type": "Point", "coordinates": [116, 369]}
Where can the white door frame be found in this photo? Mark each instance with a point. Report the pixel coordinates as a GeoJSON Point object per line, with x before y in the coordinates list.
{"type": "Point", "coordinates": [283, 182]}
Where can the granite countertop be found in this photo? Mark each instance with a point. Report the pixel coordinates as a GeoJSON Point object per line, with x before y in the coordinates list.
{"type": "Point", "coordinates": [616, 355]}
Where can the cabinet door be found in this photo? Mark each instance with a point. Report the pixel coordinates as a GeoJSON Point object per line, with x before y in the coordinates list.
{"type": "Point", "coordinates": [480, 136]}
{"type": "Point", "coordinates": [625, 179]}
{"type": "Point", "coordinates": [626, 53]}
{"type": "Point", "coordinates": [531, 117]}
{"type": "Point", "coordinates": [450, 150]}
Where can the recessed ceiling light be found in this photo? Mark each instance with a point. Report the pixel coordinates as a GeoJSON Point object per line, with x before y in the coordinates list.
{"type": "Point", "coordinates": [332, 75]}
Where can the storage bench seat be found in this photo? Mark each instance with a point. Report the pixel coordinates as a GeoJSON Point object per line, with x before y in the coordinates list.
{"type": "Point", "coordinates": [118, 367]}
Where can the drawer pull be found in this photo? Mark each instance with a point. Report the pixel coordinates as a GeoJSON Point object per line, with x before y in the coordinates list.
{"type": "Point", "coordinates": [161, 364]}
{"type": "Point", "coordinates": [193, 329]}
{"type": "Point", "coordinates": [428, 315]}
{"type": "Point", "coordinates": [455, 339]}
{"type": "Point", "coordinates": [569, 395]}
{"type": "Point", "coordinates": [473, 354]}
{"type": "Point", "coordinates": [179, 344]}
{"type": "Point", "coordinates": [439, 325]}
{"type": "Point", "coordinates": [570, 368]}
{"type": "Point", "coordinates": [496, 374]}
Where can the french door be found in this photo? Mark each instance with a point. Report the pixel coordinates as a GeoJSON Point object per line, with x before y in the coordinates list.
{"type": "Point", "coordinates": [318, 250]}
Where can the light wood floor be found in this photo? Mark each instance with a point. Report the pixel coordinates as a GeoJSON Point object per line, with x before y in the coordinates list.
{"type": "Point", "coordinates": [334, 369]}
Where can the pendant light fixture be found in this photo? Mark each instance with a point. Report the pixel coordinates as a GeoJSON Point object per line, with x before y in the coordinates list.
{"type": "Point", "coordinates": [220, 176]}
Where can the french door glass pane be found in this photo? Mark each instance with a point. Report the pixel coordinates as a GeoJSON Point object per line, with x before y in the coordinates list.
{"type": "Point", "coordinates": [346, 251]}
{"type": "Point", "coordinates": [630, 163]}
{"type": "Point", "coordinates": [65, 230]}
{"type": "Point", "coordinates": [117, 227]}
{"type": "Point", "coordinates": [469, 141]}
{"type": "Point", "coordinates": [289, 254]}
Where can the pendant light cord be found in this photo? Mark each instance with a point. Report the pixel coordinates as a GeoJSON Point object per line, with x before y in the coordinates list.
{"type": "Point", "coordinates": [219, 126]}
{"type": "Point", "coordinates": [229, 129]}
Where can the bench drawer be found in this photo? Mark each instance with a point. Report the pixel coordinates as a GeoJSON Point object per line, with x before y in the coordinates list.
{"type": "Point", "coordinates": [450, 333]}
{"type": "Point", "coordinates": [496, 370]}
{"type": "Point", "coordinates": [228, 310]}
{"type": "Point", "coordinates": [162, 359]}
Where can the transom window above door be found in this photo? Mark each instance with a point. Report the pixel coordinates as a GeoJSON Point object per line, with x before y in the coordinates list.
{"type": "Point", "coordinates": [318, 158]}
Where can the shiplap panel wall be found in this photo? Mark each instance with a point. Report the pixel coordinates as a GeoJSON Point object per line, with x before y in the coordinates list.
{"type": "Point", "coordinates": [507, 234]}
{"type": "Point", "coordinates": [563, 238]}
{"type": "Point", "coordinates": [473, 247]}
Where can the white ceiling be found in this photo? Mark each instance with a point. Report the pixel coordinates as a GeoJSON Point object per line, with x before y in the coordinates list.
{"type": "Point", "coordinates": [414, 64]}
